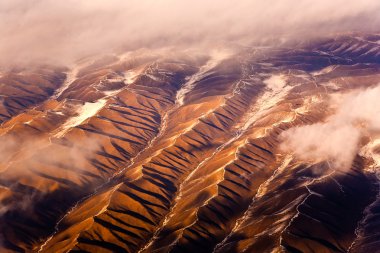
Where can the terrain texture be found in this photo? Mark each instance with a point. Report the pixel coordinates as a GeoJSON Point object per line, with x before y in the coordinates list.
{"type": "Point", "coordinates": [179, 151]}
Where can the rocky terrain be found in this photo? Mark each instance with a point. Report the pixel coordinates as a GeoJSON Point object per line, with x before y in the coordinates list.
{"type": "Point", "coordinates": [180, 151]}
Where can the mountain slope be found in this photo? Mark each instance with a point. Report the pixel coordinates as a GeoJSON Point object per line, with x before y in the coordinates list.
{"type": "Point", "coordinates": [181, 152]}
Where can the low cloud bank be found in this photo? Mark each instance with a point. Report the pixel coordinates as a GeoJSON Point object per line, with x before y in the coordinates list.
{"type": "Point", "coordinates": [51, 31]}
{"type": "Point", "coordinates": [340, 136]}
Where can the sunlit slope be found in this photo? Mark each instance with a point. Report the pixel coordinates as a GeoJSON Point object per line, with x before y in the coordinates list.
{"type": "Point", "coordinates": [180, 152]}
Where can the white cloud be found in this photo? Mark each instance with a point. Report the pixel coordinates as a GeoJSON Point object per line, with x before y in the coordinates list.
{"type": "Point", "coordinates": [60, 31]}
{"type": "Point", "coordinates": [340, 136]}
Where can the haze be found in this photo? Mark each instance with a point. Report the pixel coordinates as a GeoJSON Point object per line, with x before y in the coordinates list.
{"type": "Point", "coordinates": [59, 32]}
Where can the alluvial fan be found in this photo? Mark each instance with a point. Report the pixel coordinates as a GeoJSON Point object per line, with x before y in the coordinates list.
{"type": "Point", "coordinates": [180, 151]}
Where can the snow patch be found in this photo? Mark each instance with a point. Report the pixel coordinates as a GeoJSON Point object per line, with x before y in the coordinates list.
{"type": "Point", "coordinates": [111, 93]}
{"type": "Point", "coordinates": [90, 109]}
{"type": "Point", "coordinates": [70, 78]}
{"type": "Point", "coordinates": [130, 76]}
{"type": "Point", "coordinates": [154, 78]}
{"type": "Point", "coordinates": [308, 103]}
{"type": "Point", "coordinates": [216, 57]}
{"type": "Point", "coordinates": [85, 111]}
{"type": "Point", "coordinates": [331, 85]}
{"type": "Point", "coordinates": [324, 70]}
{"type": "Point", "coordinates": [277, 90]}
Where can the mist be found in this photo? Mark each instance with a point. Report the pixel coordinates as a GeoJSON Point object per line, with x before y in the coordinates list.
{"type": "Point", "coordinates": [60, 32]}
{"type": "Point", "coordinates": [341, 136]}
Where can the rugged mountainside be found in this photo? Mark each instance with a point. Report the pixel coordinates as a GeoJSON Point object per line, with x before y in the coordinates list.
{"type": "Point", "coordinates": [179, 152]}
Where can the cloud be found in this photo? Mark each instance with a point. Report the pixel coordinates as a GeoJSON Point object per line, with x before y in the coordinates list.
{"type": "Point", "coordinates": [341, 135]}
{"type": "Point", "coordinates": [61, 31]}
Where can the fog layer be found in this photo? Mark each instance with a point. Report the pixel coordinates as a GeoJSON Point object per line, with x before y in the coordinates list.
{"type": "Point", "coordinates": [50, 31]}
{"type": "Point", "coordinates": [340, 137]}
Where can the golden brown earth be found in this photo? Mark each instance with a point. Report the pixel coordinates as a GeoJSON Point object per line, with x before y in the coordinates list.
{"type": "Point", "coordinates": [179, 152]}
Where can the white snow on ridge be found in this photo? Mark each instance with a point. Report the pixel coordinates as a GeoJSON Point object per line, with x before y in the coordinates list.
{"type": "Point", "coordinates": [331, 85]}
{"type": "Point", "coordinates": [215, 58]}
{"type": "Point", "coordinates": [324, 70]}
{"type": "Point", "coordinates": [308, 103]}
{"type": "Point", "coordinates": [90, 109]}
{"type": "Point", "coordinates": [130, 76]}
{"type": "Point", "coordinates": [368, 41]}
{"type": "Point", "coordinates": [276, 91]}
{"type": "Point", "coordinates": [111, 92]}
{"type": "Point", "coordinates": [154, 78]}
{"type": "Point", "coordinates": [70, 78]}
{"type": "Point", "coordinates": [86, 111]}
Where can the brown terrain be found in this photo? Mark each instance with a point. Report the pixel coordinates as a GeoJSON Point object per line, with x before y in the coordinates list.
{"type": "Point", "coordinates": [180, 152]}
